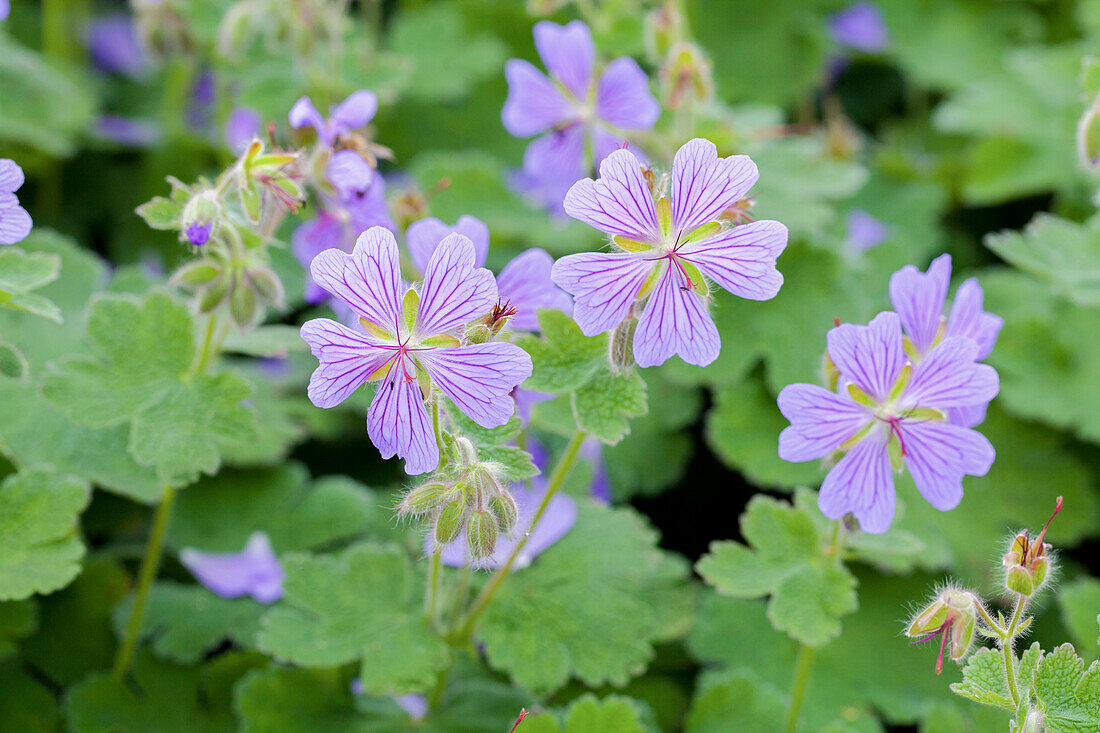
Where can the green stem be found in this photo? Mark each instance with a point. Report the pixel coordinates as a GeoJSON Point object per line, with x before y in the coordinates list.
{"type": "Point", "coordinates": [440, 685]}
{"type": "Point", "coordinates": [207, 340]}
{"type": "Point", "coordinates": [1007, 647]}
{"type": "Point", "coordinates": [802, 669]}
{"type": "Point", "coordinates": [432, 595]}
{"type": "Point", "coordinates": [435, 426]}
{"type": "Point", "coordinates": [561, 472]}
{"type": "Point", "coordinates": [149, 564]}
{"type": "Point", "coordinates": [991, 622]}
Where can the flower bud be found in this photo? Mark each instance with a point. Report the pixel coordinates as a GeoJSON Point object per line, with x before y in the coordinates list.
{"type": "Point", "coordinates": [266, 284]}
{"type": "Point", "coordinates": [1088, 135]}
{"type": "Point", "coordinates": [197, 273]}
{"type": "Point", "coordinates": [506, 512]}
{"type": "Point", "coordinates": [426, 497]}
{"type": "Point", "coordinates": [214, 295]}
{"type": "Point", "coordinates": [449, 521]}
{"type": "Point", "coordinates": [620, 347]}
{"type": "Point", "coordinates": [477, 333]}
{"type": "Point", "coordinates": [200, 214]}
{"type": "Point", "coordinates": [952, 616]}
{"type": "Point", "coordinates": [481, 534]}
{"type": "Point", "coordinates": [1027, 563]}
{"type": "Point", "coordinates": [242, 305]}
{"type": "Point", "coordinates": [686, 75]}
{"type": "Point", "coordinates": [664, 26]}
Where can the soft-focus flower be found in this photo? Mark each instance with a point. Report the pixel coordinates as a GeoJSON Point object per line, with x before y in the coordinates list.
{"type": "Point", "coordinates": [15, 222]}
{"type": "Point", "coordinates": [664, 251]}
{"type": "Point", "coordinates": [349, 173]}
{"type": "Point", "coordinates": [409, 337]}
{"type": "Point", "coordinates": [241, 128]}
{"type": "Point", "coordinates": [137, 133]}
{"type": "Point", "coordinates": [255, 571]}
{"type": "Point", "coordinates": [864, 231]}
{"type": "Point", "coordinates": [524, 283]}
{"type": "Point", "coordinates": [114, 46]}
{"type": "Point", "coordinates": [200, 102]}
{"type": "Point", "coordinates": [5, 9]}
{"type": "Point", "coordinates": [198, 234]}
{"type": "Point", "coordinates": [888, 413]}
{"type": "Point", "coordinates": [576, 111]}
{"type": "Point", "coordinates": [860, 26]}
{"type": "Point", "coordinates": [354, 112]}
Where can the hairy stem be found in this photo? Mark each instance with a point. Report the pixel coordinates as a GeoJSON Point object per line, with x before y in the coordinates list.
{"type": "Point", "coordinates": [207, 341]}
{"type": "Point", "coordinates": [1008, 648]}
{"type": "Point", "coordinates": [431, 597]}
{"type": "Point", "coordinates": [802, 669]}
{"type": "Point", "coordinates": [149, 564]}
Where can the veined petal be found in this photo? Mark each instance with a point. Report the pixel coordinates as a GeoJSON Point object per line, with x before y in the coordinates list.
{"type": "Point", "coordinates": [304, 113]}
{"type": "Point", "coordinates": [424, 235]}
{"type": "Point", "coordinates": [368, 279]}
{"type": "Point", "coordinates": [534, 103]}
{"type": "Point", "coordinates": [15, 222]}
{"type": "Point", "coordinates": [398, 424]}
{"type": "Point", "coordinates": [347, 358]}
{"type": "Point", "coordinates": [355, 111]}
{"type": "Point", "coordinates": [568, 53]}
{"type": "Point", "coordinates": [623, 97]}
{"type": "Point", "coordinates": [938, 455]}
{"type": "Point", "coordinates": [742, 259]}
{"type": "Point", "coordinates": [604, 286]}
{"type": "Point", "coordinates": [525, 283]}
{"type": "Point", "coordinates": [862, 483]}
{"type": "Point", "coordinates": [556, 159]}
{"type": "Point", "coordinates": [704, 185]}
{"type": "Point", "coordinates": [11, 176]}
{"type": "Point", "coordinates": [968, 416]}
{"type": "Point", "coordinates": [675, 321]}
{"type": "Point", "coordinates": [619, 202]}
{"type": "Point", "coordinates": [869, 356]}
{"type": "Point", "coordinates": [918, 298]}
{"type": "Point", "coordinates": [479, 378]}
{"type": "Point", "coordinates": [949, 377]}
{"type": "Point", "coordinates": [455, 291]}
{"type": "Point", "coordinates": [820, 421]}
{"type": "Point", "coordinates": [968, 319]}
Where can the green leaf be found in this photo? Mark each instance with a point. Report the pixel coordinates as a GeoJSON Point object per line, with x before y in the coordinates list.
{"type": "Point", "coordinates": [40, 549]}
{"type": "Point", "coordinates": [810, 588]}
{"type": "Point", "coordinates": [612, 714]}
{"type": "Point", "coordinates": [563, 358]}
{"type": "Point", "coordinates": [20, 273]}
{"type": "Point", "coordinates": [161, 213]}
{"type": "Point", "coordinates": [490, 443]}
{"type": "Point", "coordinates": [948, 718]}
{"type": "Point", "coordinates": [13, 365]}
{"type": "Point", "coordinates": [984, 680]}
{"type": "Point", "coordinates": [1069, 694]}
{"type": "Point", "coordinates": [591, 606]}
{"type": "Point", "coordinates": [1079, 601]}
{"type": "Point", "coordinates": [327, 619]}
{"type": "Point", "coordinates": [1062, 252]}
{"type": "Point", "coordinates": [26, 705]}
{"type": "Point", "coordinates": [603, 405]}
{"type": "Point", "coordinates": [267, 341]}
{"type": "Point", "coordinates": [731, 696]}
{"type": "Point", "coordinates": [18, 619]}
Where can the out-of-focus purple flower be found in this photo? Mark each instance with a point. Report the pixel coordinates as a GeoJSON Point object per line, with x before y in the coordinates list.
{"type": "Point", "coordinates": [409, 337]}
{"type": "Point", "coordinates": [663, 251]}
{"type": "Point", "coordinates": [255, 571]}
{"type": "Point", "coordinates": [114, 46]}
{"type": "Point", "coordinates": [15, 222]}
{"type": "Point", "coordinates": [592, 450]}
{"type": "Point", "coordinates": [527, 399]}
{"type": "Point", "coordinates": [524, 282]}
{"type": "Point", "coordinates": [576, 111]}
{"type": "Point", "coordinates": [137, 133]}
{"type": "Point", "coordinates": [199, 234]}
{"type": "Point", "coordinates": [242, 127]}
{"type": "Point", "coordinates": [864, 231]}
{"type": "Point", "coordinates": [413, 704]}
{"type": "Point", "coordinates": [887, 415]}
{"type": "Point", "coordinates": [200, 105]}
{"type": "Point", "coordinates": [349, 173]}
{"type": "Point", "coordinates": [5, 9]}
{"type": "Point", "coordinates": [860, 26]}
{"type": "Point", "coordinates": [351, 114]}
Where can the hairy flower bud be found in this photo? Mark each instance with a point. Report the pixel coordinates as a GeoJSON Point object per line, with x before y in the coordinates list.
{"type": "Point", "coordinates": [1088, 135]}
{"type": "Point", "coordinates": [506, 512]}
{"type": "Point", "coordinates": [664, 26]}
{"type": "Point", "coordinates": [1027, 563]}
{"type": "Point", "coordinates": [197, 274]}
{"type": "Point", "coordinates": [266, 284]}
{"type": "Point", "coordinates": [242, 305]}
{"type": "Point", "coordinates": [426, 497]}
{"type": "Point", "coordinates": [449, 521]}
{"type": "Point", "coordinates": [481, 534]}
{"type": "Point", "coordinates": [199, 218]}
{"type": "Point", "coordinates": [213, 296]}
{"type": "Point", "coordinates": [952, 616]}
{"type": "Point", "coordinates": [620, 347]}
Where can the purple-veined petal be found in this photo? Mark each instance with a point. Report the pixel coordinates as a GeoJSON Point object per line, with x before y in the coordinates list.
{"type": "Point", "coordinates": [15, 222]}
{"type": "Point", "coordinates": [398, 424]}
{"type": "Point", "coordinates": [304, 113]}
{"type": "Point", "coordinates": [355, 111]}
{"type": "Point", "coordinates": [968, 319]}
{"type": "Point", "coordinates": [675, 321]}
{"type": "Point", "coordinates": [424, 235]}
{"type": "Point", "coordinates": [255, 571]}
{"type": "Point", "coordinates": [623, 98]}
{"type": "Point", "coordinates": [368, 279]}
{"type": "Point", "coordinates": [455, 290]}
{"type": "Point", "coordinates": [938, 455]}
{"type": "Point", "coordinates": [242, 127]}
{"type": "Point", "coordinates": [871, 357]}
{"type": "Point", "coordinates": [948, 377]}
{"type": "Point", "coordinates": [605, 142]}
{"type": "Point", "coordinates": [479, 378]}
{"type": "Point", "coordinates": [525, 283]}
{"type": "Point", "coordinates": [820, 421]}
{"type": "Point", "coordinates": [862, 483]}
{"type": "Point", "coordinates": [568, 53]}
{"type": "Point", "coordinates": [918, 298]}
{"type": "Point", "coordinates": [704, 185]}
{"type": "Point", "coordinates": [968, 416]}
{"type": "Point", "coordinates": [603, 285]}
{"type": "Point", "coordinates": [619, 202]}
{"type": "Point", "coordinates": [742, 259]}
{"type": "Point", "coordinates": [347, 357]}
{"type": "Point", "coordinates": [534, 103]}
{"type": "Point", "coordinates": [349, 173]}
{"type": "Point", "coordinates": [860, 26]}
{"type": "Point", "coordinates": [11, 176]}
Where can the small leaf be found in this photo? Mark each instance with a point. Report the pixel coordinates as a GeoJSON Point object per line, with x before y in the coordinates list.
{"type": "Point", "coordinates": [726, 697]}
{"type": "Point", "coordinates": [22, 272]}
{"type": "Point", "coordinates": [563, 358]}
{"type": "Point", "coordinates": [587, 714]}
{"type": "Point", "coordinates": [1069, 693]}
{"type": "Point", "coordinates": [18, 619]}
{"type": "Point", "coordinates": [161, 213]}
{"type": "Point", "coordinates": [984, 680]}
{"type": "Point", "coordinates": [603, 405]}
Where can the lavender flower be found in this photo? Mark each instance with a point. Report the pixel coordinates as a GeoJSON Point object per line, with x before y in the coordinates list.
{"type": "Point", "coordinates": [253, 572]}
{"type": "Point", "coordinates": [889, 414]}
{"type": "Point", "coordinates": [575, 110]}
{"type": "Point", "coordinates": [15, 222]}
{"type": "Point", "coordinates": [413, 704]}
{"type": "Point", "coordinates": [5, 9]}
{"type": "Point", "coordinates": [242, 127]}
{"type": "Point", "coordinates": [354, 112]}
{"type": "Point", "coordinates": [200, 103]}
{"type": "Point", "coordinates": [114, 46]}
{"type": "Point", "coordinates": [524, 282]}
{"type": "Point", "coordinates": [137, 133]}
{"type": "Point", "coordinates": [408, 344]}
{"type": "Point", "coordinates": [199, 234]}
{"type": "Point", "coordinates": [663, 252]}
{"type": "Point", "coordinates": [860, 26]}
{"type": "Point", "coordinates": [864, 231]}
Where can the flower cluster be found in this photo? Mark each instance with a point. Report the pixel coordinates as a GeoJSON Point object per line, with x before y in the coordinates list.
{"type": "Point", "coordinates": [899, 400]}
{"type": "Point", "coordinates": [15, 222]}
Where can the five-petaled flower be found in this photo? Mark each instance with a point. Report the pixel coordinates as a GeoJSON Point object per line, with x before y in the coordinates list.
{"type": "Point", "coordinates": [15, 222]}
{"type": "Point", "coordinates": [665, 250]}
{"type": "Point", "coordinates": [351, 114]}
{"type": "Point", "coordinates": [889, 413]}
{"type": "Point", "coordinates": [409, 343]}
{"type": "Point", "coordinates": [583, 118]}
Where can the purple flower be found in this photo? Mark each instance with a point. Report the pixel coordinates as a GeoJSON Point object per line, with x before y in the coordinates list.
{"type": "Point", "coordinates": [15, 222]}
{"type": "Point", "coordinates": [409, 338]}
{"type": "Point", "coordinates": [663, 251]}
{"type": "Point", "coordinates": [199, 234]}
{"type": "Point", "coordinates": [887, 415]}
{"type": "Point", "coordinates": [349, 173]}
{"type": "Point", "coordinates": [114, 46]}
{"type": "Point", "coordinates": [574, 109]}
{"type": "Point", "coordinates": [864, 231]}
{"type": "Point", "coordinates": [242, 127]}
{"type": "Point", "coordinates": [5, 8]}
{"type": "Point", "coordinates": [137, 133]}
{"type": "Point", "coordinates": [354, 112]}
{"type": "Point", "coordinates": [200, 105]}
{"type": "Point", "coordinates": [413, 704]}
{"type": "Point", "coordinates": [860, 26]}
{"type": "Point", "coordinates": [253, 572]}
{"type": "Point", "coordinates": [524, 282]}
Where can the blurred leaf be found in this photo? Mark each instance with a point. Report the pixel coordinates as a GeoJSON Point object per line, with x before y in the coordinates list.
{"type": "Point", "coordinates": [726, 697]}
{"type": "Point", "coordinates": [20, 273]}
{"type": "Point", "coordinates": [1062, 252]}
{"type": "Point", "coordinates": [268, 341]}
{"type": "Point", "coordinates": [26, 705]}
{"type": "Point", "coordinates": [1080, 603]}
{"type": "Point", "coordinates": [612, 714]}
{"type": "Point", "coordinates": [13, 365]}
{"type": "Point", "coordinates": [161, 213]}
{"type": "Point", "coordinates": [18, 619]}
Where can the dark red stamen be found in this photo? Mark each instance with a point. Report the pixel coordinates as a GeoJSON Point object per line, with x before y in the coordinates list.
{"type": "Point", "coordinates": [522, 714]}
{"type": "Point", "coordinates": [1057, 508]}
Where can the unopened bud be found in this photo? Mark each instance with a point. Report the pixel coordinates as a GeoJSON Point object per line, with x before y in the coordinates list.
{"type": "Point", "coordinates": [481, 534]}
{"type": "Point", "coordinates": [620, 347]}
{"type": "Point", "coordinates": [952, 616]}
{"type": "Point", "coordinates": [506, 512]}
{"type": "Point", "coordinates": [467, 453]}
{"type": "Point", "coordinates": [664, 26]}
{"type": "Point", "coordinates": [242, 305]}
{"type": "Point", "coordinates": [199, 217]}
{"type": "Point", "coordinates": [478, 333]}
{"type": "Point", "coordinates": [214, 295]}
{"type": "Point", "coordinates": [425, 498]}
{"type": "Point", "coordinates": [449, 522]}
{"type": "Point", "coordinates": [1028, 563]}
{"type": "Point", "coordinates": [196, 274]}
{"type": "Point", "coordinates": [1088, 135]}
{"type": "Point", "coordinates": [687, 75]}
{"type": "Point", "coordinates": [267, 284]}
